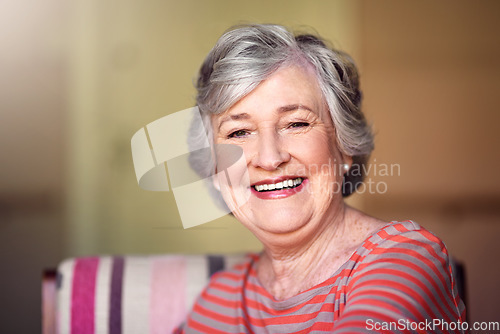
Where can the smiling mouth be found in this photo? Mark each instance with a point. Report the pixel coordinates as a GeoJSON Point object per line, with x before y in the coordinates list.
{"type": "Point", "coordinates": [285, 184]}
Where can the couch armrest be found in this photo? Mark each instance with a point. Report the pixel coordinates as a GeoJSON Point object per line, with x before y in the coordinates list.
{"type": "Point", "coordinates": [125, 294]}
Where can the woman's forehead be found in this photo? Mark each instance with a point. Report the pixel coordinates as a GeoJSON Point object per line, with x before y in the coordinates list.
{"type": "Point", "coordinates": [288, 89]}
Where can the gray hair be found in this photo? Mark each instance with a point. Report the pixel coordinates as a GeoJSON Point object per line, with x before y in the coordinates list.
{"type": "Point", "coordinates": [247, 55]}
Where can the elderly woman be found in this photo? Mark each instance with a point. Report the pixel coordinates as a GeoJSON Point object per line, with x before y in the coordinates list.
{"type": "Point", "coordinates": [292, 105]}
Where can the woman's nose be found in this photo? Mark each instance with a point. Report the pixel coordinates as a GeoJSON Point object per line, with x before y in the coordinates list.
{"type": "Point", "coordinates": [270, 151]}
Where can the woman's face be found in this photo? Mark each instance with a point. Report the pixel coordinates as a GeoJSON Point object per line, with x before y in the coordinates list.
{"type": "Point", "coordinates": [293, 164]}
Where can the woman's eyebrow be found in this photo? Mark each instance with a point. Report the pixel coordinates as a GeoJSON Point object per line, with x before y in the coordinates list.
{"type": "Point", "coordinates": [292, 107]}
{"type": "Point", "coordinates": [244, 115]}
{"type": "Point", "coordinates": [234, 117]}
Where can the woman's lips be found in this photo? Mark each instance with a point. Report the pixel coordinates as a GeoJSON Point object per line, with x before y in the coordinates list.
{"type": "Point", "coordinates": [277, 188]}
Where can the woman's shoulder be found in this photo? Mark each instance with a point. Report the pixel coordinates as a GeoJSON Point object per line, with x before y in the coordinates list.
{"type": "Point", "coordinates": [404, 246]}
{"type": "Point", "coordinates": [402, 264]}
{"type": "Point", "coordinates": [409, 263]}
{"type": "Point", "coordinates": [369, 232]}
{"type": "Point", "coordinates": [402, 232]}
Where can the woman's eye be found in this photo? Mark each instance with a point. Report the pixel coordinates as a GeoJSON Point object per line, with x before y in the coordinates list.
{"type": "Point", "coordinates": [238, 134]}
{"type": "Point", "coordinates": [298, 125]}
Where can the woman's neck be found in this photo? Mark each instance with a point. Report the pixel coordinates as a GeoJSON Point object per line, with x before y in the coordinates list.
{"type": "Point", "coordinates": [286, 271]}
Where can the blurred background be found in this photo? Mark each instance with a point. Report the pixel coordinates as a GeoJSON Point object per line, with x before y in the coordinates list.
{"type": "Point", "coordinates": [79, 78]}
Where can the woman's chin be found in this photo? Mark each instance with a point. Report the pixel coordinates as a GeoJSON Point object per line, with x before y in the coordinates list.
{"type": "Point", "coordinates": [275, 219]}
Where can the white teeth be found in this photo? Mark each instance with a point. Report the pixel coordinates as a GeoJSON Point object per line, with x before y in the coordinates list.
{"type": "Point", "coordinates": [280, 185]}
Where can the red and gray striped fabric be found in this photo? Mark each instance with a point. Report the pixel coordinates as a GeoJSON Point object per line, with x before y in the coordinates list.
{"type": "Point", "coordinates": [132, 294]}
{"type": "Point", "coordinates": [401, 272]}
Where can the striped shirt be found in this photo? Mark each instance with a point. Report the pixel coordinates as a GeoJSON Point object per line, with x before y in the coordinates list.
{"type": "Point", "coordinates": [398, 280]}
